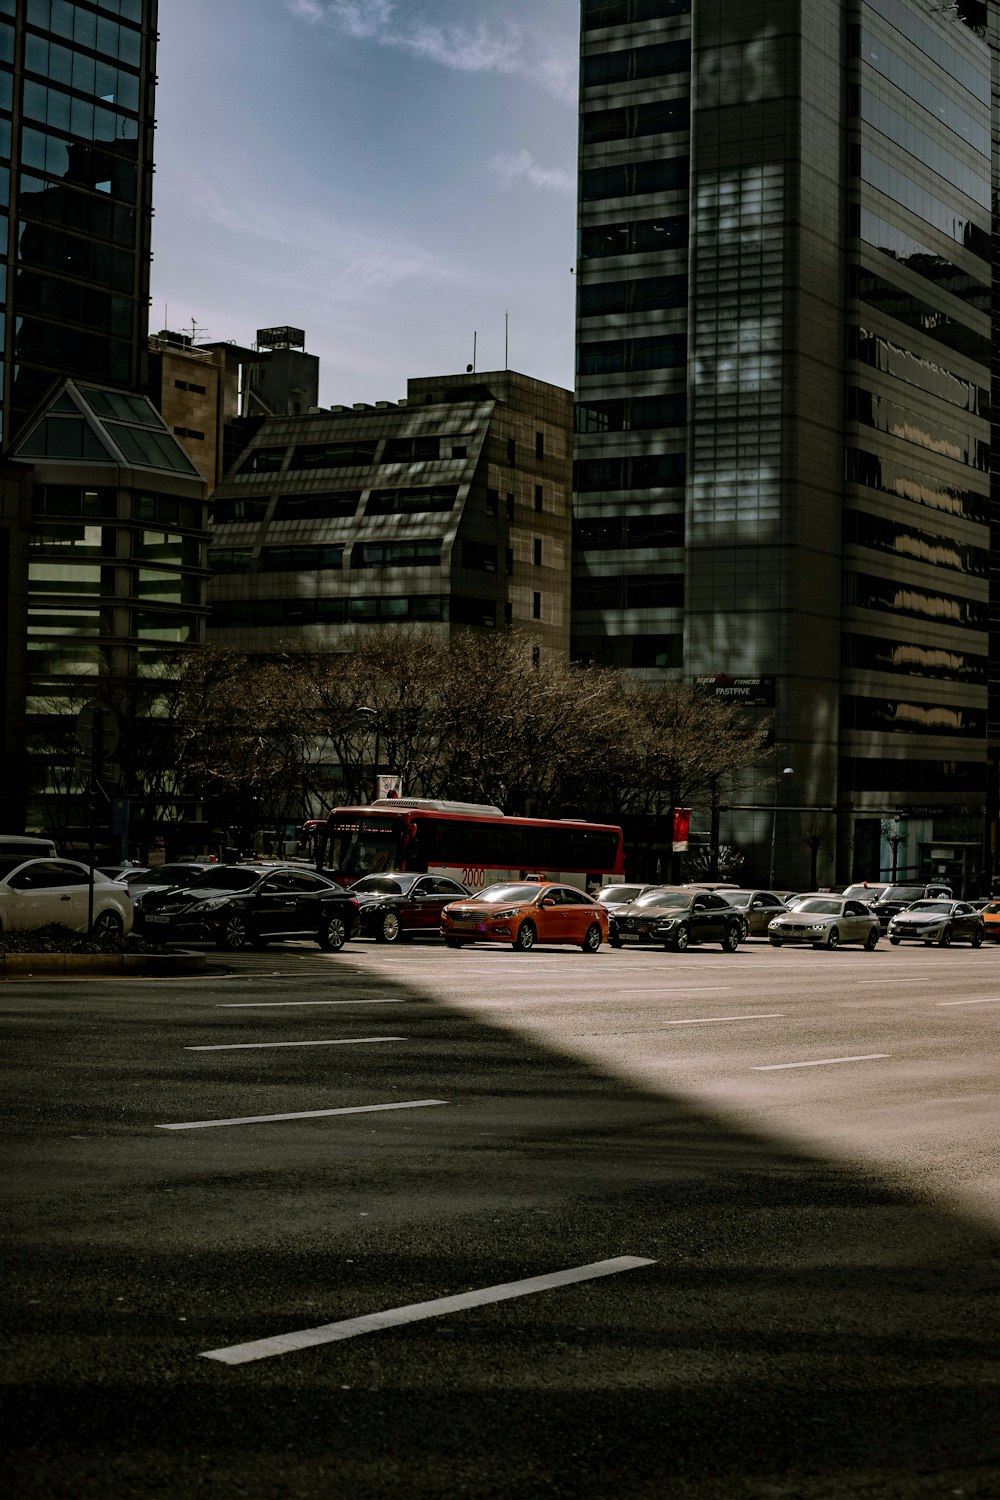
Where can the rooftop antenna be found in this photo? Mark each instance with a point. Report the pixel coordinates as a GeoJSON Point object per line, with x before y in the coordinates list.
{"type": "Point", "coordinates": [506, 331]}
{"type": "Point", "coordinates": [474, 336]}
{"type": "Point", "coordinates": [195, 330]}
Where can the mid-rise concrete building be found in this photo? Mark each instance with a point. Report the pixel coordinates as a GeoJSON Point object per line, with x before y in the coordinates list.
{"type": "Point", "coordinates": [450, 508]}
{"type": "Point", "coordinates": [782, 478]}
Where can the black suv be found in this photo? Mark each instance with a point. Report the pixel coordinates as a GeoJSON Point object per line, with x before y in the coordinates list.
{"type": "Point", "coordinates": [248, 906]}
{"type": "Point", "coordinates": [895, 898]}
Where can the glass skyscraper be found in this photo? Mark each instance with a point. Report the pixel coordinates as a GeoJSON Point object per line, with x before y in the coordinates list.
{"type": "Point", "coordinates": [783, 422]}
{"type": "Point", "coordinates": [102, 514]}
{"type": "Point", "coordinates": [76, 145]}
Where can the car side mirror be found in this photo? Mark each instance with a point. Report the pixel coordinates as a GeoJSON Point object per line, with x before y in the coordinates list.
{"type": "Point", "coordinates": [548, 901]}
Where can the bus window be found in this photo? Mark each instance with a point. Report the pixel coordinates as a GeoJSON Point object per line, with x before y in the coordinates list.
{"type": "Point", "coordinates": [358, 847]}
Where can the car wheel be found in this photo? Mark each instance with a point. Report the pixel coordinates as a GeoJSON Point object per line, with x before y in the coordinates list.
{"type": "Point", "coordinates": [108, 925]}
{"type": "Point", "coordinates": [833, 939]}
{"type": "Point", "coordinates": [525, 939]}
{"type": "Point", "coordinates": [451, 942]}
{"type": "Point", "coordinates": [731, 941]}
{"type": "Point", "coordinates": [775, 942]}
{"type": "Point", "coordinates": [895, 942]}
{"type": "Point", "coordinates": [977, 940]}
{"type": "Point", "coordinates": [871, 940]}
{"type": "Point", "coordinates": [233, 934]}
{"type": "Point", "coordinates": [944, 941]}
{"type": "Point", "coordinates": [333, 934]}
{"type": "Point", "coordinates": [592, 939]}
{"type": "Point", "coordinates": [681, 941]}
{"type": "Point", "coordinates": [389, 929]}
{"type": "Point", "coordinates": [616, 942]}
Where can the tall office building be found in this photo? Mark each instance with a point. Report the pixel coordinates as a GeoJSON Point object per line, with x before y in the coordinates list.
{"type": "Point", "coordinates": [102, 514]}
{"type": "Point", "coordinates": [782, 478]}
{"type": "Point", "coordinates": [76, 139]}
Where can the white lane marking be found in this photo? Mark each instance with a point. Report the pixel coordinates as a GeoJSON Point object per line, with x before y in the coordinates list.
{"type": "Point", "coordinates": [993, 1000]}
{"type": "Point", "coordinates": [349, 1041]}
{"type": "Point", "coordinates": [269, 1004]}
{"type": "Point", "coordinates": [330, 1333]}
{"type": "Point", "coordinates": [303, 1114]}
{"type": "Point", "coordinates": [770, 1015]}
{"type": "Point", "coordinates": [822, 1062]}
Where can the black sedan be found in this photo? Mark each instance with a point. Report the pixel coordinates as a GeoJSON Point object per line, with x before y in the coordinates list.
{"type": "Point", "coordinates": [676, 919]}
{"type": "Point", "coordinates": [241, 906]}
{"type": "Point", "coordinates": [394, 907]}
{"type": "Point", "coordinates": [943, 922]}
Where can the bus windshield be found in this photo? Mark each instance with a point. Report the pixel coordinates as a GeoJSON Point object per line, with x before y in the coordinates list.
{"type": "Point", "coordinates": [362, 846]}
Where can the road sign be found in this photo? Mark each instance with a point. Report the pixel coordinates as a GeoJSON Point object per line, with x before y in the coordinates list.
{"type": "Point", "coordinates": [97, 730]}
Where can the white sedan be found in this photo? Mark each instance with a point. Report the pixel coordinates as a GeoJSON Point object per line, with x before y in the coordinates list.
{"type": "Point", "coordinates": [37, 892]}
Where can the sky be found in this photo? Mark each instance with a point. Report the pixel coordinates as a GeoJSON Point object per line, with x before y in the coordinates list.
{"type": "Point", "coordinates": [391, 176]}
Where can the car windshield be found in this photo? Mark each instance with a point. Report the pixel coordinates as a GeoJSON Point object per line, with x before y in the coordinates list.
{"type": "Point", "coordinates": [992, 909]}
{"type": "Point", "coordinates": [739, 898]}
{"type": "Point", "coordinates": [819, 906]}
{"type": "Point", "coordinates": [224, 878]}
{"type": "Point", "coordinates": [508, 893]}
{"type": "Point", "coordinates": [381, 885]}
{"type": "Point", "coordinates": [939, 908]}
{"type": "Point", "coordinates": [660, 900]}
{"type": "Point", "coordinates": [902, 893]}
{"type": "Point", "coordinates": [165, 875]}
{"type": "Point", "coordinates": [864, 892]}
{"type": "Point", "coordinates": [11, 863]}
{"type": "Point", "coordinates": [614, 895]}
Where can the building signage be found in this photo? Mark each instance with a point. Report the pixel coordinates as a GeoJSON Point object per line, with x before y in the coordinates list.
{"type": "Point", "coordinates": [752, 692]}
{"type": "Point", "coordinates": [281, 338]}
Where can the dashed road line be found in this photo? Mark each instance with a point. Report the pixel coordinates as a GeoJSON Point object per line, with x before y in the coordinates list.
{"type": "Point", "coordinates": [303, 1114]}
{"type": "Point", "coordinates": [992, 1000]}
{"type": "Point", "coordinates": [821, 1062]}
{"type": "Point", "coordinates": [330, 1333]}
{"type": "Point", "coordinates": [349, 1041]}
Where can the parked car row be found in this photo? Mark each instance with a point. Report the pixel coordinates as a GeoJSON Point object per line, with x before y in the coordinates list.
{"type": "Point", "coordinates": [251, 904]}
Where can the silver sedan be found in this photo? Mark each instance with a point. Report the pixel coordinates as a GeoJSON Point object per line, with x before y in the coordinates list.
{"type": "Point", "coordinates": [825, 921]}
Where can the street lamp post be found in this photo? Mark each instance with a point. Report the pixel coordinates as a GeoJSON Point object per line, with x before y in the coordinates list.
{"type": "Point", "coordinates": [372, 715]}
{"type": "Point", "coordinates": [788, 771]}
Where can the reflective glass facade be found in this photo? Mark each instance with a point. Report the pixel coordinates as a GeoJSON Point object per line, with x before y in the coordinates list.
{"type": "Point", "coordinates": [76, 127]}
{"type": "Point", "coordinates": [806, 242]}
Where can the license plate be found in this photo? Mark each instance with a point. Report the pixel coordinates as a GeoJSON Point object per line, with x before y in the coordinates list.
{"type": "Point", "coordinates": [151, 918]}
{"type": "Point", "coordinates": [464, 922]}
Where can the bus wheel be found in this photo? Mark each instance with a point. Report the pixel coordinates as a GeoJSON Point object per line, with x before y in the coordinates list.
{"type": "Point", "coordinates": [592, 939]}
{"type": "Point", "coordinates": [525, 939]}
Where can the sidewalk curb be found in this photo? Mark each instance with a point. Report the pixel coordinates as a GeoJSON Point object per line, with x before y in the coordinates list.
{"type": "Point", "coordinates": [79, 965]}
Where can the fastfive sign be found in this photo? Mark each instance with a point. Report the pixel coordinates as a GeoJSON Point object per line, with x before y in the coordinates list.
{"type": "Point", "coordinates": [752, 692]}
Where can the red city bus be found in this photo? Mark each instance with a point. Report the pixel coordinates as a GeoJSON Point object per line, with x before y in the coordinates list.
{"type": "Point", "coordinates": [474, 843]}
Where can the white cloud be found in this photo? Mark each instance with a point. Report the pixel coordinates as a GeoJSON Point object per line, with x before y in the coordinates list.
{"type": "Point", "coordinates": [516, 166]}
{"type": "Point", "coordinates": [475, 47]}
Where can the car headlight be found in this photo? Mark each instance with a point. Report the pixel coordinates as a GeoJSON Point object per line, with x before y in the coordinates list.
{"type": "Point", "coordinates": [667, 922]}
{"type": "Point", "coordinates": [503, 916]}
{"type": "Point", "coordinates": [816, 927]}
{"type": "Point", "coordinates": [211, 904]}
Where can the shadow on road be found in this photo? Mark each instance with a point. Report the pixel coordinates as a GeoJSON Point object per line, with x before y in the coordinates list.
{"type": "Point", "coordinates": [807, 1330]}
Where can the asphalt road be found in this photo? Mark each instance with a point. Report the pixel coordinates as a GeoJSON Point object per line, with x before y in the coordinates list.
{"type": "Point", "coordinates": [744, 1212]}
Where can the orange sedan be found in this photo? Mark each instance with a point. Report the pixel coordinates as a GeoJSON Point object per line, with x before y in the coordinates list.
{"type": "Point", "coordinates": [523, 913]}
{"type": "Point", "coordinates": [991, 917]}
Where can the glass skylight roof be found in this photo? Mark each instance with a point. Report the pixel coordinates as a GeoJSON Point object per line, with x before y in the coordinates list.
{"type": "Point", "coordinates": [84, 422]}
